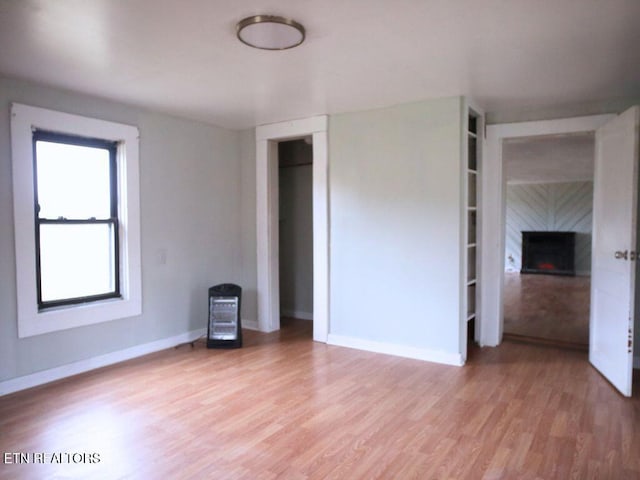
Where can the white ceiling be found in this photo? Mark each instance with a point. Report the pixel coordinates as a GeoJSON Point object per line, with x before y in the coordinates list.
{"type": "Point", "coordinates": [549, 159]}
{"type": "Point", "coordinates": [182, 57]}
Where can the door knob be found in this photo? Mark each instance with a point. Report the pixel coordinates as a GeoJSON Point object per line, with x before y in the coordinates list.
{"type": "Point", "coordinates": [618, 255]}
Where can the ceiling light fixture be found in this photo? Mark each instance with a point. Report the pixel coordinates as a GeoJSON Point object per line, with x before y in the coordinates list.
{"type": "Point", "coordinates": [270, 32]}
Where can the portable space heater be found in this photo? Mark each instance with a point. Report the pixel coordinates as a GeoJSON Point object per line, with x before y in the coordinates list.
{"type": "Point", "coordinates": [225, 329]}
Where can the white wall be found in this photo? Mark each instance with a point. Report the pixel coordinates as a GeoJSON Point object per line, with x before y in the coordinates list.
{"type": "Point", "coordinates": [566, 207]}
{"type": "Point", "coordinates": [190, 212]}
{"type": "Point", "coordinates": [296, 241]}
{"type": "Point", "coordinates": [395, 190]}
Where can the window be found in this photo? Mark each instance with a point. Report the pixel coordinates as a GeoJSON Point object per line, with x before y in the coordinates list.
{"type": "Point", "coordinates": [76, 210]}
{"type": "Point", "coordinates": [76, 219]}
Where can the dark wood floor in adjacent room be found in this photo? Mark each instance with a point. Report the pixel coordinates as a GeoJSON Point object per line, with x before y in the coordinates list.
{"type": "Point", "coordinates": [550, 308]}
{"type": "Point", "coordinates": [286, 407]}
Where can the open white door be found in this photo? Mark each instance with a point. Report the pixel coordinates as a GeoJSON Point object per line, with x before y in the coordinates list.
{"type": "Point", "coordinates": [614, 251]}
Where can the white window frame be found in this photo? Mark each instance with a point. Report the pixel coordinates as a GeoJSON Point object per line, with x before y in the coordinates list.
{"type": "Point", "coordinates": [31, 320]}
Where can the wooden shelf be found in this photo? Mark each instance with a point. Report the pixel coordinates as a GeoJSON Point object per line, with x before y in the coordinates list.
{"type": "Point", "coordinates": [472, 207]}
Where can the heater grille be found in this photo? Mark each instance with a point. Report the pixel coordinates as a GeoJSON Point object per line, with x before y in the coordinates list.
{"type": "Point", "coordinates": [224, 326]}
{"type": "Point", "coordinates": [223, 314]}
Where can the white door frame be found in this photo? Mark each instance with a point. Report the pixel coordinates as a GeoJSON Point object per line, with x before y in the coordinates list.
{"type": "Point", "coordinates": [494, 206]}
{"type": "Point", "coordinates": [268, 285]}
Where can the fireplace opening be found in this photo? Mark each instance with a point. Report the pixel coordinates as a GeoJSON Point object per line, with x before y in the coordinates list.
{"type": "Point", "coordinates": [548, 253]}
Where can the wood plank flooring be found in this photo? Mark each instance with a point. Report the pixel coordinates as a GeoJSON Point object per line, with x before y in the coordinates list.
{"type": "Point", "coordinates": [286, 407]}
{"type": "Point", "coordinates": [548, 307]}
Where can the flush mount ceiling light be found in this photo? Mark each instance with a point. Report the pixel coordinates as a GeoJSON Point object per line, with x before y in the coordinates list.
{"type": "Point", "coordinates": [270, 32]}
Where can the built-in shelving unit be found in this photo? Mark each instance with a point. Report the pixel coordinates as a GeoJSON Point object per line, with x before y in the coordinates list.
{"type": "Point", "coordinates": [472, 207]}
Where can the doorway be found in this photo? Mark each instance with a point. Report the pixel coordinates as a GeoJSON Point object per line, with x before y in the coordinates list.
{"type": "Point", "coordinates": [616, 170]}
{"type": "Point", "coordinates": [494, 201]}
{"type": "Point", "coordinates": [267, 211]}
{"type": "Point", "coordinates": [295, 225]}
{"type": "Point", "coordinates": [548, 223]}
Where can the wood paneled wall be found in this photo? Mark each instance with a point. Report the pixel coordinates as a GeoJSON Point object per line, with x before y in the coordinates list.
{"type": "Point", "coordinates": [549, 207]}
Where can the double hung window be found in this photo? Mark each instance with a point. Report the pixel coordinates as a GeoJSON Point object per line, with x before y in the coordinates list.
{"type": "Point", "coordinates": [76, 220]}
{"type": "Point", "coordinates": [76, 212]}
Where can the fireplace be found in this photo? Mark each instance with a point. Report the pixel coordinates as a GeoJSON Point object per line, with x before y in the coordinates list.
{"type": "Point", "coordinates": [548, 252]}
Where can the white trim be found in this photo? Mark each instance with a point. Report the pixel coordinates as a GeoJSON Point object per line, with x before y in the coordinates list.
{"type": "Point", "coordinates": [268, 286]}
{"type": "Point", "coordinates": [300, 315]}
{"type": "Point", "coordinates": [436, 356]}
{"type": "Point", "coordinates": [268, 280]}
{"type": "Point", "coordinates": [321, 233]}
{"type": "Point", "coordinates": [292, 128]}
{"type": "Point", "coordinates": [31, 321]}
{"type": "Point", "coordinates": [493, 224]}
{"type": "Point", "coordinates": [64, 371]}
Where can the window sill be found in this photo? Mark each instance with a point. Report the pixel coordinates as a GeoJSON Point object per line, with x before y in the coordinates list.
{"type": "Point", "coordinates": [72, 316]}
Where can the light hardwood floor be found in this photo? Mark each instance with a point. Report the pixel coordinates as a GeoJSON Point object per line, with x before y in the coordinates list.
{"type": "Point", "coordinates": [286, 407]}
{"type": "Point", "coordinates": [548, 307]}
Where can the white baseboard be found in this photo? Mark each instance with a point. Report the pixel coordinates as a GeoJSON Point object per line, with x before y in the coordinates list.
{"type": "Point", "coordinates": [57, 373]}
{"type": "Point", "coordinates": [297, 314]}
{"type": "Point", "coordinates": [250, 324]}
{"type": "Point", "coordinates": [397, 350]}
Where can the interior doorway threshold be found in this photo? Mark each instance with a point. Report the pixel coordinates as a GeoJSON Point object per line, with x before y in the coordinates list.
{"type": "Point", "coordinates": [512, 337]}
